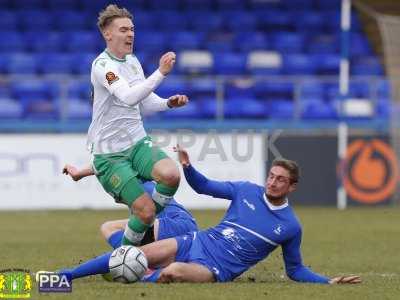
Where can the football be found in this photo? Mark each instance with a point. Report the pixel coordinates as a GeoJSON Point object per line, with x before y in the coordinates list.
{"type": "Point", "coordinates": [127, 264]}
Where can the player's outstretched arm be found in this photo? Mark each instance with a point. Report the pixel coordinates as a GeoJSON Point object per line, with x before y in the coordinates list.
{"type": "Point", "coordinates": [346, 280]}
{"type": "Point", "coordinates": [76, 174]}
{"type": "Point", "coordinates": [199, 183]}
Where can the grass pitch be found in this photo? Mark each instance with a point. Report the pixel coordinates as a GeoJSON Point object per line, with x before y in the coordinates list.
{"type": "Point", "coordinates": [363, 241]}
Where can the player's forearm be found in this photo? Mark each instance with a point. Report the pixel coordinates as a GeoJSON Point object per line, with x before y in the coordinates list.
{"type": "Point", "coordinates": [87, 171]}
{"type": "Point", "coordinates": [304, 274]}
{"type": "Point", "coordinates": [135, 94]}
{"type": "Point", "coordinates": [153, 103]}
{"type": "Point", "coordinates": [202, 185]}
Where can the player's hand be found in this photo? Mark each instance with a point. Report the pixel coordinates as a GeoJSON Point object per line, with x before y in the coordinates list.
{"type": "Point", "coordinates": [345, 280]}
{"type": "Point", "coordinates": [72, 171]}
{"type": "Point", "coordinates": [183, 156]}
{"type": "Point", "coordinates": [177, 100]}
{"type": "Point", "coordinates": [167, 62]}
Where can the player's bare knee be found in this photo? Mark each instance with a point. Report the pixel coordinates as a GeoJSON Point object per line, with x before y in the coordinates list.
{"type": "Point", "coordinates": [105, 229]}
{"type": "Point", "coordinates": [174, 271]}
{"type": "Point", "coordinates": [147, 214]}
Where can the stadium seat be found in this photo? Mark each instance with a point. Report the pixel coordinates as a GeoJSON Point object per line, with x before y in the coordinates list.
{"type": "Point", "coordinates": [264, 63]}
{"type": "Point", "coordinates": [151, 41]}
{"type": "Point", "coordinates": [202, 88]}
{"type": "Point", "coordinates": [21, 64]}
{"type": "Point", "coordinates": [239, 88]}
{"type": "Point", "coordinates": [76, 109]}
{"type": "Point", "coordinates": [323, 44]}
{"type": "Point", "coordinates": [56, 63]}
{"type": "Point", "coordinates": [207, 108]}
{"type": "Point", "coordinates": [280, 109]}
{"type": "Point", "coordinates": [79, 90]}
{"type": "Point", "coordinates": [251, 41]}
{"type": "Point", "coordinates": [312, 90]}
{"type": "Point", "coordinates": [172, 87]}
{"type": "Point", "coordinates": [38, 20]}
{"type": "Point", "coordinates": [63, 4]}
{"type": "Point", "coordinates": [189, 111]}
{"type": "Point", "coordinates": [287, 42]}
{"type": "Point", "coordinates": [296, 5]}
{"type": "Point", "coordinates": [185, 40]}
{"type": "Point", "coordinates": [195, 62]}
{"type": "Point", "coordinates": [318, 110]}
{"type": "Point", "coordinates": [83, 63]}
{"type": "Point", "coordinates": [72, 20]}
{"type": "Point", "coordinates": [275, 20]}
{"type": "Point", "coordinates": [200, 21]}
{"type": "Point", "coordinates": [193, 5]}
{"type": "Point", "coordinates": [240, 21]}
{"type": "Point", "coordinates": [327, 64]}
{"type": "Point", "coordinates": [35, 89]}
{"type": "Point", "coordinates": [10, 108]}
{"type": "Point", "coordinates": [269, 90]}
{"type": "Point", "coordinates": [309, 21]}
{"type": "Point", "coordinates": [145, 21]}
{"type": "Point", "coordinates": [383, 90]}
{"type": "Point", "coordinates": [219, 42]}
{"type": "Point", "coordinates": [366, 66]}
{"type": "Point", "coordinates": [164, 5]}
{"type": "Point", "coordinates": [230, 63]}
{"type": "Point", "coordinates": [31, 4]}
{"type": "Point", "coordinates": [298, 64]}
{"type": "Point", "coordinates": [44, 41]}
{"type": "Point", "coordinates": [359, 45]}
{"type": "Point", "coordinates": [82, 41]}
{"type": "Point", "coordinates": [230, 4]}
{"type": "Point", "coordinates": [11, 42]}
{"type": "Point", "coordinates": [249, 108]}
{"type": "Point", "coordinates": [8, 21]}
{"type": "Point", "coordinates": [172, 20]}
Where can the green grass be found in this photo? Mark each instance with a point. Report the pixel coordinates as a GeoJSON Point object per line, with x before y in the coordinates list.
{"type": "Point", "coordinates": [364, 241]}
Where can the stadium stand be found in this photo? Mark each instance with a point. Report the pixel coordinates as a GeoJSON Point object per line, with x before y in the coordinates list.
{"type": "Point", "coordinates": [255, 40]}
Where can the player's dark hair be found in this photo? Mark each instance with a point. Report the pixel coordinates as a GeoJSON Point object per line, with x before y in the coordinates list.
{"type": "Point", "coordinates": [110, 13]}
{"type": "Point", "coordinates": [291, 166]}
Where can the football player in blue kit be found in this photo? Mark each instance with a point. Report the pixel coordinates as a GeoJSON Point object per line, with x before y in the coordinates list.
{"type": "Point", "coordinates": [258, 220]}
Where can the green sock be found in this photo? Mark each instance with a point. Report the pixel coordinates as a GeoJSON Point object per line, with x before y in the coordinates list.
{"type": "Point", "coordinates": [134, 231]}
{"type": "Point", "coordinates": [162, 195]}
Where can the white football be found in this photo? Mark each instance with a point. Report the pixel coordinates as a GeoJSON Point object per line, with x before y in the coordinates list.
{"type": "Point", "coordinates": [127, 264]}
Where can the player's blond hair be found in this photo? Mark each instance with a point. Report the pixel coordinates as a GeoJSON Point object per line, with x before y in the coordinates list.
{"type": "Point", "coordinates": [110, 13]}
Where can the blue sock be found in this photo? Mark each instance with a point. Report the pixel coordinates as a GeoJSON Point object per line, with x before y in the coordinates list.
{"type": "Point", "coordinates": [97, 265]}
{"type": "Point", "coordinates": [153, 277]}
{"type": "Point", "coordinates": [115, 239]}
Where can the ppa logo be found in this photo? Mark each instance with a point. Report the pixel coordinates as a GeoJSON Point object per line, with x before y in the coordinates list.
{"type": "Point", "coordinates": [370, 171]}
{"type": "Point", "coordinates": [54, 283]}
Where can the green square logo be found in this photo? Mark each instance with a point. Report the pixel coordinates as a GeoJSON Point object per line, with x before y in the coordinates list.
{"type": "Point", "coordinates": [15, 284]}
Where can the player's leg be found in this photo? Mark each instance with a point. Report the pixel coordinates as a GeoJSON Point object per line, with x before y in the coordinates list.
{"type": "Point", "coordinates": [118, 178]}
{"type": "Point", "coordinates": [185, 272]}
{"type": "Point", "coordinates": [152, 163]}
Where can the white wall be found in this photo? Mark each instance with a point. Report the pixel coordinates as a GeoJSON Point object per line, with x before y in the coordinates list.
{"type": "Point", "coordinates": [30, 169]}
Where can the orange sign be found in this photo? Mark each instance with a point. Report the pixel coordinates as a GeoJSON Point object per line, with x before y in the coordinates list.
{"type": "Point", "coordinates": [370, 171]}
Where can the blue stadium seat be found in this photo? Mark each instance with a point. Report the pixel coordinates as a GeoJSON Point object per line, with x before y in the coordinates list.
{"type": "Point", "coordinates": [208, 108]}
{"type": "Point", "coordinates": [239, 88]}
{"type": "Point", "coordinates": [63, 4]}
{"type": "Point", "coordinates": [332, 20]}
{"type": "Point", "coordinates": [369, 65]}
{"type": "Point", "coordinates": [39, 98]}
{"type": "Point", "coordinates": [195, 62]}
{"type": "Point", "coordinates": [76, 109]}
{"type": "Point", "coordinates": [327, 64]}
{"type": "Point", "coordinates": [79, 89]}
{"type": "Point", "coordinates": [172, 87]}
{"type": "Point", "coordinates": [202, 88]}
{"type": "Point", "coordinates": [151, 41]}
{"type": "Point", "coordinates": [275, 20]}
{"type": "Point", "coordinates": [297, 5]}
{"type": "Point", "coordinates": [44, 41]}
{"type": "Point", "coordinates": [82, 41]}
{"type": "Point", "coordinates": [200, 21]}
{"type": "Point", "coordinates": [230, 63]}
{"type": "Point", "coordinates": [185, 40]}
{"type": "Point", "coordinates": [258, 5]}
{"type": "Point", "coordinates": [312, 90]}
{"type": "Point", "coordinates": [146, 21]}
{"type": "Point", "coordinates": [11, 42]}
{"type": "Point", "coordinates": [245, 108]}
{"type": "Point", "coordinates": [298, 64]}
{"type": "Point", "coordinates": [383, 90]}
{"type": "Point", "coordinates": [73, 20]}
{"type": "Point", "coordinates": [83, 63]}
{"type": "Point", "coordinates": [250, 41]}
{"type": "Point", "coordinates": [38, 20]}
{"type": "Point", "coordinates": [323, 44]}
{"type": "Point", "coordinates": [4, 91]}
{"type": "Point", "coordinates": [8, 20]}
{"type": "Point", "coordinates": [56, 63]}
{"type": "Point", "coordinates": [164, 5]}
{"type": "Point", "coordinates": [198, 4]}
{"type": "Point", "coordinates": [231, 4]}
{"type": "Point", "coordinates": [10, 108]}
{"type": "Point", "coordinates": [318, 110]}
{"type": "Point", "coordinates": [219, 41]}
{"type": "Point", "coordinates": [280, 109]}
{"type": "Point", "coordinates": [288, 42]}
{"type": "Point", "coordinates": [190, 111]}
{"type": "Point", "coordinates": [172, 20]}
{"type": "Point", "coordinates": [94, 6]}
{"type": "Point", "coordinates": [240, 21]}
{"type": "Point", "coordinates": [31, 4]}
{"type": "Point", "coordinates": [21, 64]}
{"type": "Point", "coordinates": [264, 63]}
{"type": "Point", "coordinates": [359, 45]}
{"type": "Point", "coordinates": [269, 90]}
{"type": "Point", "coordinates": [309, 21]}
{"type": "Point", "coordinates": [328, 5]}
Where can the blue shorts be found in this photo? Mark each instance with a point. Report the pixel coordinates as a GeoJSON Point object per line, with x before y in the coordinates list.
{"type": "Point", "coordinates": [172, 226]}
{"type": "Point", "coordinates": [190, 250]}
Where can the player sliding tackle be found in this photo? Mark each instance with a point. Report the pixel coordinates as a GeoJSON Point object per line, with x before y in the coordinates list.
{"type": "Point", "coordinates": [258, 220]}
{"type": "Point", "coordinates": [121, 149]}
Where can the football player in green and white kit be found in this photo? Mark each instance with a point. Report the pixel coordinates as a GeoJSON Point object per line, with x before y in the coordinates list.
{"type": "Point", "coordinates": [122, 151]}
